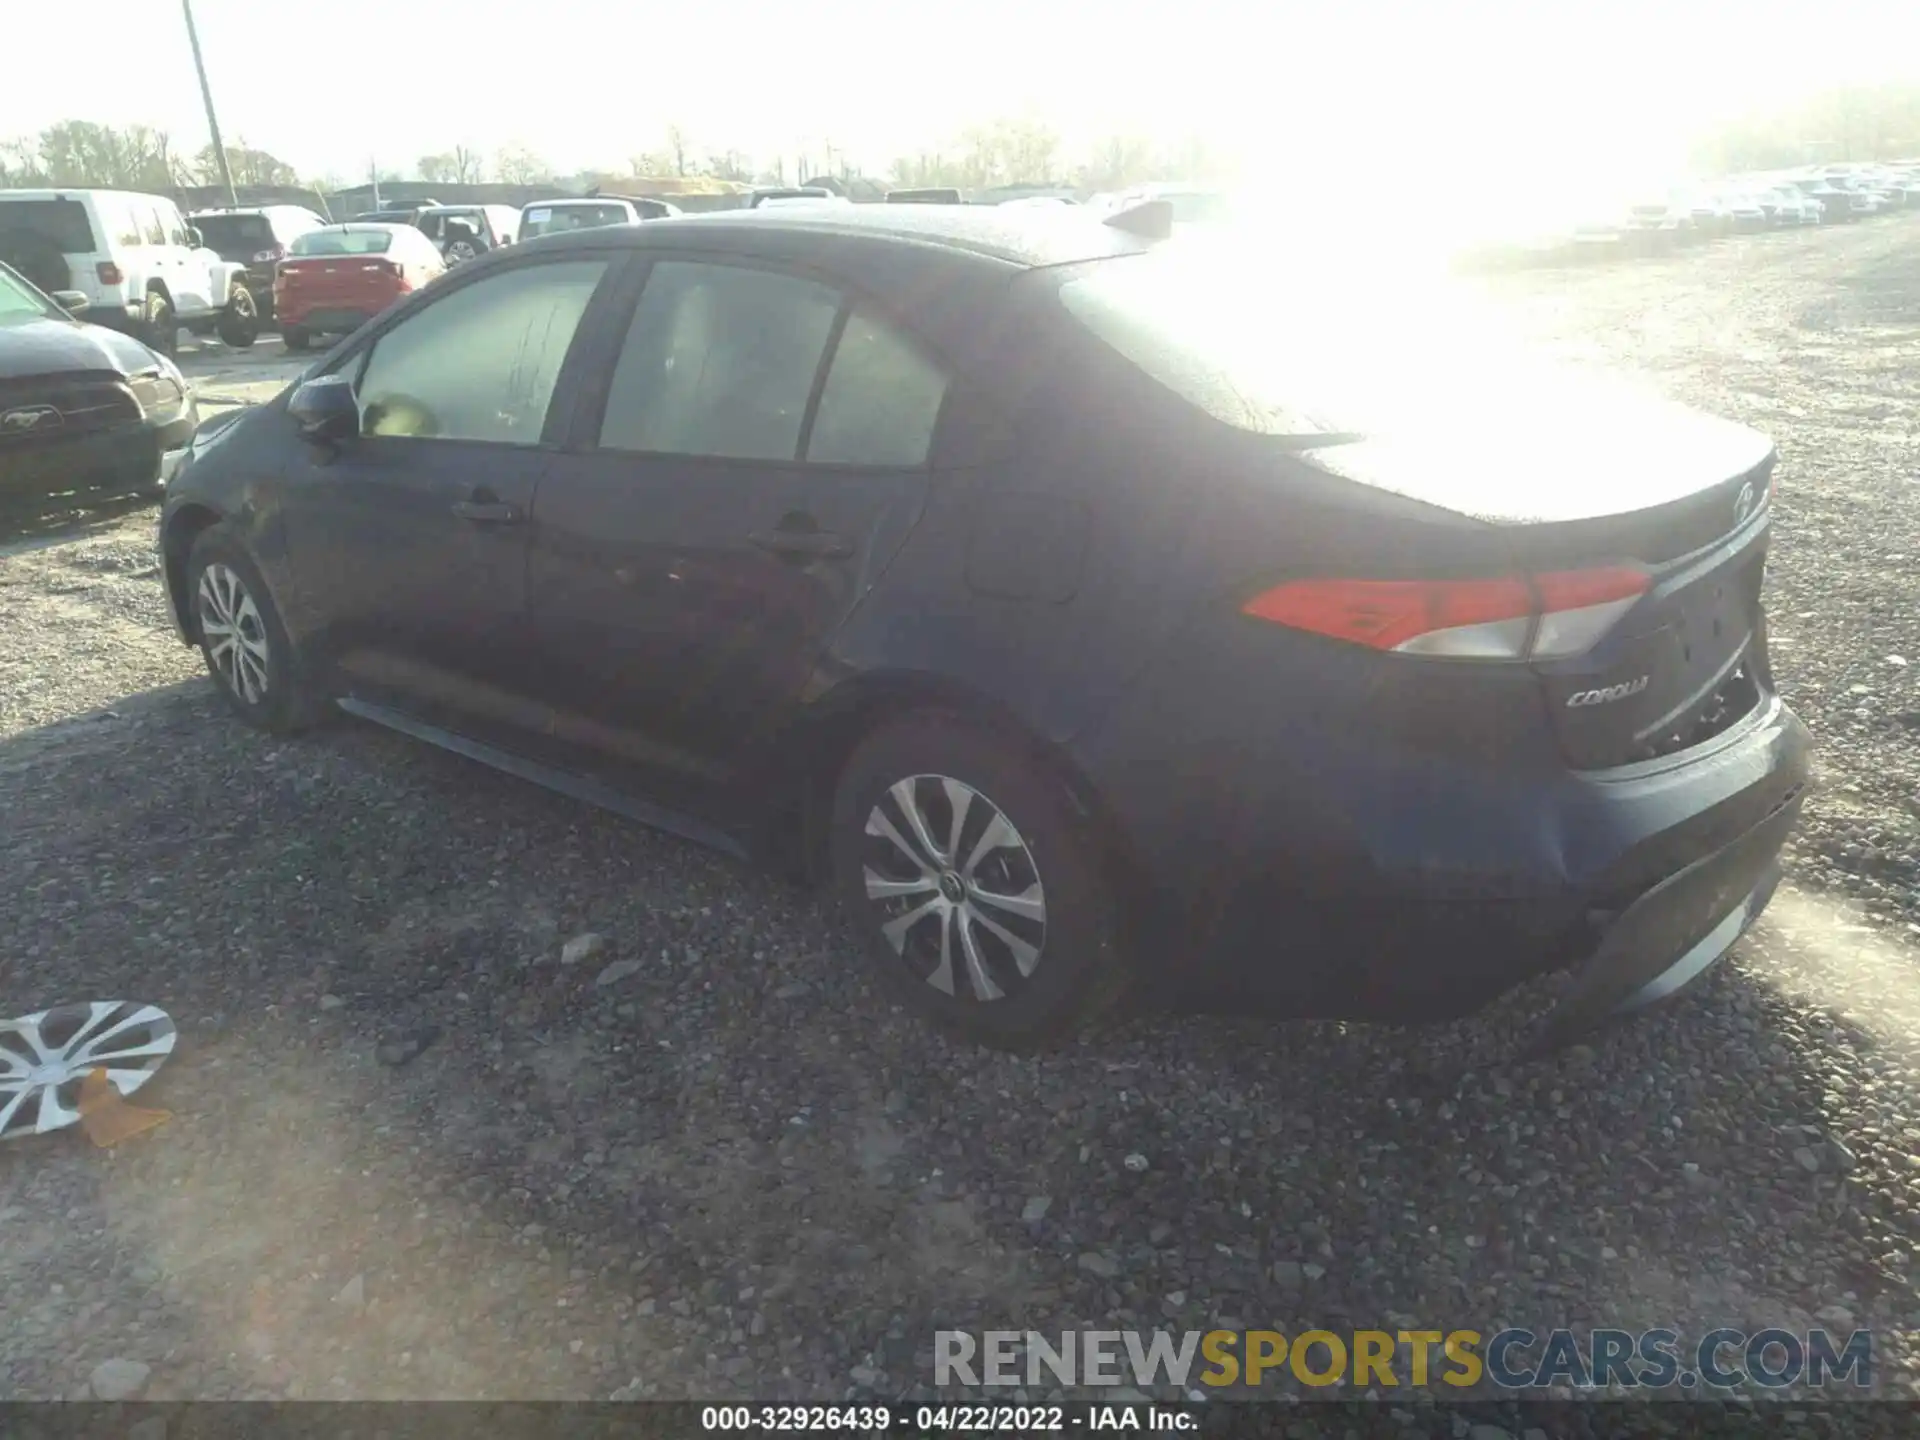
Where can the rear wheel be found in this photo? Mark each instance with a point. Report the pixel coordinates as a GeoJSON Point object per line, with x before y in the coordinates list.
{"type": "Point", "coordinates": [159, 327]}
{"type": "Point", "coordinates": [239, 324]}
{"type": "Point", "coordinates": [977, 886]}
{"type": "Point", "coordinates": [295, 337]}
{"type": "Point", "coordinates": [252, 660]}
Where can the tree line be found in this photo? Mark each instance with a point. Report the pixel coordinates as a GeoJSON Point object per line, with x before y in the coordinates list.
{"type": "Point", "coordinates": [81, 153]}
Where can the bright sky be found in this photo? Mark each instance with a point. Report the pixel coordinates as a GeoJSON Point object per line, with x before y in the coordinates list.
{"type": "Point", "coordinates": [1433, 93]}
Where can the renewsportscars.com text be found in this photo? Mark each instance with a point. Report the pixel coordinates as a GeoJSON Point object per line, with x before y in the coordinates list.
{"type": "Point", "coordinates": [1513, 1359]}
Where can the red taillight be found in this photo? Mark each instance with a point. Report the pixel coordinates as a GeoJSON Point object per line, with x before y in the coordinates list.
{"type": "Point", "coordinates": [1538, 617]}
{"type": "Point", "coordinates": [108, 272]}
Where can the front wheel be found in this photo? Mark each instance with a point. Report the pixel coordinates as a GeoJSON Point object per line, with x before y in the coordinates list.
{"type": "Point", "coordinates": [978, 887]}
{"type": "Point", "coordinates": [252, 660]}
{"type": "Point", "coordinates": [239, 324]}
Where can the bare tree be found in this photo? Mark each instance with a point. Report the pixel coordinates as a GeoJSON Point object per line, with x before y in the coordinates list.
{"type": "Point", "coordinates": [517, 165]}
{"type": "Point", "coordinates": [678, 146]}
{"type": "Point", "coordinates": [469, 167]}
{"type": "Point", "coordinates": [730, 165]}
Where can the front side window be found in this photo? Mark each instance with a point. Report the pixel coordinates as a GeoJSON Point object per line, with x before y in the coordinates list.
{"type": "Point", "coordinates": [719, 361]}
{"type": "Point", "coordinates": [881, 399]}
{"type": "Point", "coordinates": [482, 363]}
{"type": "Point", "coordinates": [176, 227]}
{"type": "Point", "coordinates": [153, 226]}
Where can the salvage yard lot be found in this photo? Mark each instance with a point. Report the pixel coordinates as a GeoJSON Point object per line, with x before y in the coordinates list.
{"type": "Point", "coordinates": [708, 1160]}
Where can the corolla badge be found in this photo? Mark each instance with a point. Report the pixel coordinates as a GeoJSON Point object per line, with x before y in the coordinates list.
{"type": "Point", "coordinates": [1743, 505]}
{"type": "Point", "coordinates": [30, 417]}
{"type": "Point", "coordinates": [1607, 694]}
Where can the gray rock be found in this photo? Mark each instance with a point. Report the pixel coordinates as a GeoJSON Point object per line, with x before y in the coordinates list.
{"type": "Point", "coordinates": [582, 947]}
{"type": "Point", "coordinates": [1289, 1274]}
{"type": "Point", "coordinates": [405, 1046]}
{"type": "Point", "coordinates": [1036, 1208]}
{"type": "Point", "coordinates": [154, 1427]}
{"type": "Point", "coordinates": [1835, 1317]}
{"type": "Point", "coordinates": [1136, 1162]}
{"type": "Point", "coordinates": [353, 1293]}
{"type": "Point", "coordinates": [1489, 1432]}
{"type": "Point", "coordinates": [1313, 1272]}
{"type": "Point", "coordinates": [1805, 1158]}
{"type": "Point", "coordinates": [792, 990]}
{"type": "Point", "coordinates": [1095, 1263]}
{"type": "Point", "coordinates": [118, 1379]}
{"type": "Point", "coordinates": [616, 972]}
{"type": "Point", "coordinates": [1127, 1395]}
{"type": "Point", "coordinates": [865, 1375]}
{"type": "Point", "coordinates": [1844, 1160]}
{"type": "Point", "coordinates": [331, 1002]}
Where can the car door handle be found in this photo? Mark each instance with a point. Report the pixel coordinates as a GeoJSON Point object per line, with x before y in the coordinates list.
{"type": "Point", "coordinates": [487, 512]}
{"type": "Point", "coordinates": [802, 544]}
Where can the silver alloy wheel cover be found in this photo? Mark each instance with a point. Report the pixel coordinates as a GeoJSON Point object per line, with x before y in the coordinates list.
{"type": "Point", "coordinates": [44, 1057]}
{"type": "Point", "coordinates": [964, 908]}
{"type": "Point", "coordinates": [235, 635]}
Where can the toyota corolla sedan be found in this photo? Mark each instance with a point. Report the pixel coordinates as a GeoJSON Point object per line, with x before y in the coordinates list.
{"type": "Point", "coordinates": [1090, 613]}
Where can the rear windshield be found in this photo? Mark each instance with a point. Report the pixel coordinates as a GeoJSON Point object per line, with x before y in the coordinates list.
{"type": "Point", "coordinates": [62, 222]}
{"type": "Point", "coordinates": [250, 233]}
{"type": "Point", "coordinates": [343, 242]}
{"type": "Point", "coordinates": [1203, 335]}
{"type": "Point", "coordinates": [552, 219]}
{"type": "Point", "coordinates": [1345, 353]}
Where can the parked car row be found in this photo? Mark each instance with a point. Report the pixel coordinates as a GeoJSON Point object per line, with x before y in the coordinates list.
{"type": "Point", "coordinates": [1743, 205]}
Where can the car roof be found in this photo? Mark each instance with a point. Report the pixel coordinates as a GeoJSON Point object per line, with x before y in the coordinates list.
{"type": "Point", "coordinates": [1023, 238]}
{"type": "Point", "coordinates": [83, 192]}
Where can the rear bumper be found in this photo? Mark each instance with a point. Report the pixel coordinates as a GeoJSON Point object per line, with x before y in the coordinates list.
{"type": "Point", "coordinates": [326, 319]}
{"type": "Point", "coordinates": [1320, 872]}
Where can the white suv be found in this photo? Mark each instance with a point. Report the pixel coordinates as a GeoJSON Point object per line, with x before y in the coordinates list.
{"type": "Point", "coordinates": [136, 260]}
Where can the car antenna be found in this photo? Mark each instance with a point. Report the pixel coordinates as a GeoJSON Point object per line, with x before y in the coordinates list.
{"type": "Point", "coordinates": [1150, 219]}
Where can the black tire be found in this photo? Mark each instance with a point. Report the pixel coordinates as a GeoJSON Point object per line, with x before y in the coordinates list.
{"type": "Point", "coordinates": [276, 693]}
{"type": "Point", "coordinates": [239, 324]}
{"type": "Point", "coordinates": [296, 337]}
{"type": "Point", "coordinates": [1055, 859]}
{"type": "Point", "coordinates": [159, 327]}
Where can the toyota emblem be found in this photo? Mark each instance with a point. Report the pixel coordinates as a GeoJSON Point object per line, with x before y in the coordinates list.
{"type": "Point", "coordinates": [1743, 506]}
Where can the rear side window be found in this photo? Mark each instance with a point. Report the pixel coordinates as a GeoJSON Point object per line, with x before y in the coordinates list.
{"type": "Point", "coordinates": [551, 219]}
{"type": "Point", "coordinates": [59, 222]}
{"type": "Point", "coordinates": [482, 363]}
{"type": "Point", "coordinates": [719, 361]}
{"type": "Point", "coordinates": [881, 400]}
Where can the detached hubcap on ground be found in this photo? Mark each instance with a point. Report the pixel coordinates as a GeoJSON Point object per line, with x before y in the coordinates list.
{"type": "Point", "coordinates": [956, 888]}
{"type": "Point", "coordinates": [236, 636]}
{"type": "Point", "coordinates": [44, 1058]}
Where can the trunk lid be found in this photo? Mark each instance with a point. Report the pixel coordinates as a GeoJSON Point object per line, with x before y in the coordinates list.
{"type": "Point", "coordinates": [1577, 472]}
{"type": "Point", "coordinates": [321, 279]}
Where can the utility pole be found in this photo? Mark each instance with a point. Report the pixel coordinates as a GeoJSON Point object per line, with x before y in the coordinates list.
{"type": "Point", "coordinates": [206, 94]}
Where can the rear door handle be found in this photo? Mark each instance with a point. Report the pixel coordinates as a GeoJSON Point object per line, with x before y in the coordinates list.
{"type": "Point", "coordinates": [802, 544]}
{"type": "Point", "coordinates": [487, 512]}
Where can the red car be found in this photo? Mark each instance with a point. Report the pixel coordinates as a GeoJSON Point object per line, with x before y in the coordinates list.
{"type": "Point", "coordinates": [337, 278]}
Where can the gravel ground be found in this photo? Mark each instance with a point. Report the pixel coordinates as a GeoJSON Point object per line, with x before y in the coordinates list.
{"type": "Point", "coordinates": [725, 1168]}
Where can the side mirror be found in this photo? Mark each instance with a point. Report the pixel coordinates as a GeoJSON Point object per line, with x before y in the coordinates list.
{"type": "Point", "coordinates": [195, 238]}
{"type": "Point", "coordinates": [71, 301]}
{"type": "Point", "coordinates": [326, 411]}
